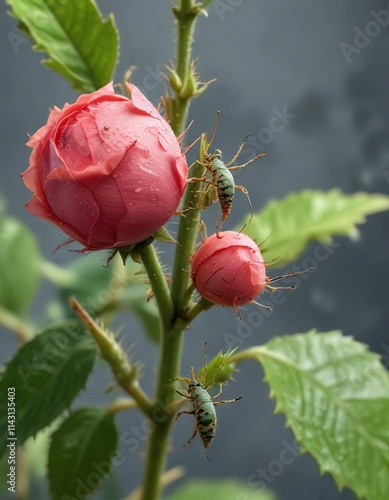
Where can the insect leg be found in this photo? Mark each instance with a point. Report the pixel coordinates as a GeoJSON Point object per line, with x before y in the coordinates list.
{"type": "Point", "coordinates": [192, 436]}
{"type": "Point", "coordinates": [195, 179]}
{"type": "Point", "coordinates": [238, 152]}
{"type": "Point", "coordinates": [193, 143]}
{"type": "Point", "coordinates": [187, 412]}
{"type": "Point", "coordinates": [237, 308]}
{"type": "Point", "coordinates": [182, 394]}
{"type": "Point", "coordinates": [244, 191]}
{"type": "Point", "coordinates": [227, 401]}
{"type": "Point", "coordinates": [237, 167]}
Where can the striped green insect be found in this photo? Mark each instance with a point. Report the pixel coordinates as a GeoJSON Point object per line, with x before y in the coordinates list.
{"type": "Point", "coordinates": [203, 403]}
{"type": "Point", "coordinates": [218, 175]}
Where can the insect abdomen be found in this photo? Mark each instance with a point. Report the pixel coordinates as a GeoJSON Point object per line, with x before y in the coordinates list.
{"type": "Point", "coordinates": [225, 186]}
{"type": "Point", "coordinates": [206, 419]}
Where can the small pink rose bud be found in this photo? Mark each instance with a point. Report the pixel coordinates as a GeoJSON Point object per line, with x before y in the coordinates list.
{"type": "Point", "coordinates": [107, 170]}
{"type": "Point", "coordinates": [228, 269]}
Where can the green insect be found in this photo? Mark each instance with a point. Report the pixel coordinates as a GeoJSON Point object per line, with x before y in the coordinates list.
{"type": "Point", "coordinates": [203, 408]}
{"type": "Point", "coordinates": [218, 175]}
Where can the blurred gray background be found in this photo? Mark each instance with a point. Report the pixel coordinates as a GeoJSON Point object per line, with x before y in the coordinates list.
{"type": "Point", "coordinates": [268, 58]}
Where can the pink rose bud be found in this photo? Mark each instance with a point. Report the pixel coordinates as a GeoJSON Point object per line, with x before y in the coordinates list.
{"type": "Point", "coordinates": [107, 170]}
{"type": "Point", "coordinates": [228, 269]}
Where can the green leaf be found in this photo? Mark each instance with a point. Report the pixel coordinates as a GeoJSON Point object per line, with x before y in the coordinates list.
{"type": "Point", "coordinates": [218, 371]}
{"type": "Point", "coordinates": [47, 373]}
{"type": "Point", "coordinates": [36, 450]}
{"type": "Point", "coordinates": [162, 234]}
{"type": "Point", "coordinates": [231, 489]}
{"type": "Point", "coordinates": [335, 395]}
{"type": "Point", "coordinates": [106, 290]}
{"type": "Point", "coordinates": [133, 298]}
{"type": "Point", "coordinates": [284, 228]}
{"type": "Point", "coordinates": [81, 452]}
{"type": "Point", "coordinates": [19, 266]}
{"type": "Point", "coordinates": [89, 281]}
{"type": "Point", "coordinates": [80, 45]}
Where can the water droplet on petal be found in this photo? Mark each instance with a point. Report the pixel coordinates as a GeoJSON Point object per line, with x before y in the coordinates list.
{"type": "Point", "coordinates": [137, 190]}
{"type": "Point", "coordinates": [153, 131]}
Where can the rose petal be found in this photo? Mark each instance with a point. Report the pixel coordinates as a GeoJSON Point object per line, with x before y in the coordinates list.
{"type": "Point", "coordinates": [81, 214]}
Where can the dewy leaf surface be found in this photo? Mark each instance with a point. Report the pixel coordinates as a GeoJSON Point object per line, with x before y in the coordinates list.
{"type": "Point", "coordinates": [79, 43]}
{"type": "Point", "coordinates": [285, 227]}
{"type": "Point", "coordinates": [47, 373]}
{"type": "Point", "coordinates": [335, 395]}
{"type": "Point", "coordinates": [81, 453]}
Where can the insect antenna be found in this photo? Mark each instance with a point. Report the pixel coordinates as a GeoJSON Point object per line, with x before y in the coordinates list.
{"type": "Point", "coordinates": [205, 360]}
{"type": "Point", "coordinates": [190, 145]}
{"type": "Point", "coordinates": [239, 151]}
{"type": "Point", "coordinates": [214, 130]}
{"type": "Point", "coordinates": [180, 137]}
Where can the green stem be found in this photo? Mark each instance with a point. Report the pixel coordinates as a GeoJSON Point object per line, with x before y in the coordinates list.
{"type": "Point", "coordinates": [125, 374]}
{"type": "Point", "coordinates": [121, 404]}
{"type": "Point", "coordinates": [169, 363]}
{"type": "Point", "coordinates": [158, 284]}
{"type": "Point", "coordinates": [197, 308]}
{"type": "Point", "coordinates": [56, 274]}
{"type": "Point", "coordinates": [186, 12]}
{"type": "Point", "coordinates": [172, 307]}
{"type": "Point", "coordinates": [251, 353]}
{"type": "Point", "coordinates": [187, 234]}
{"type": "Point", "coordinates": [21, 328]}
{"type": "Point", "coordinates": [167, 478]}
